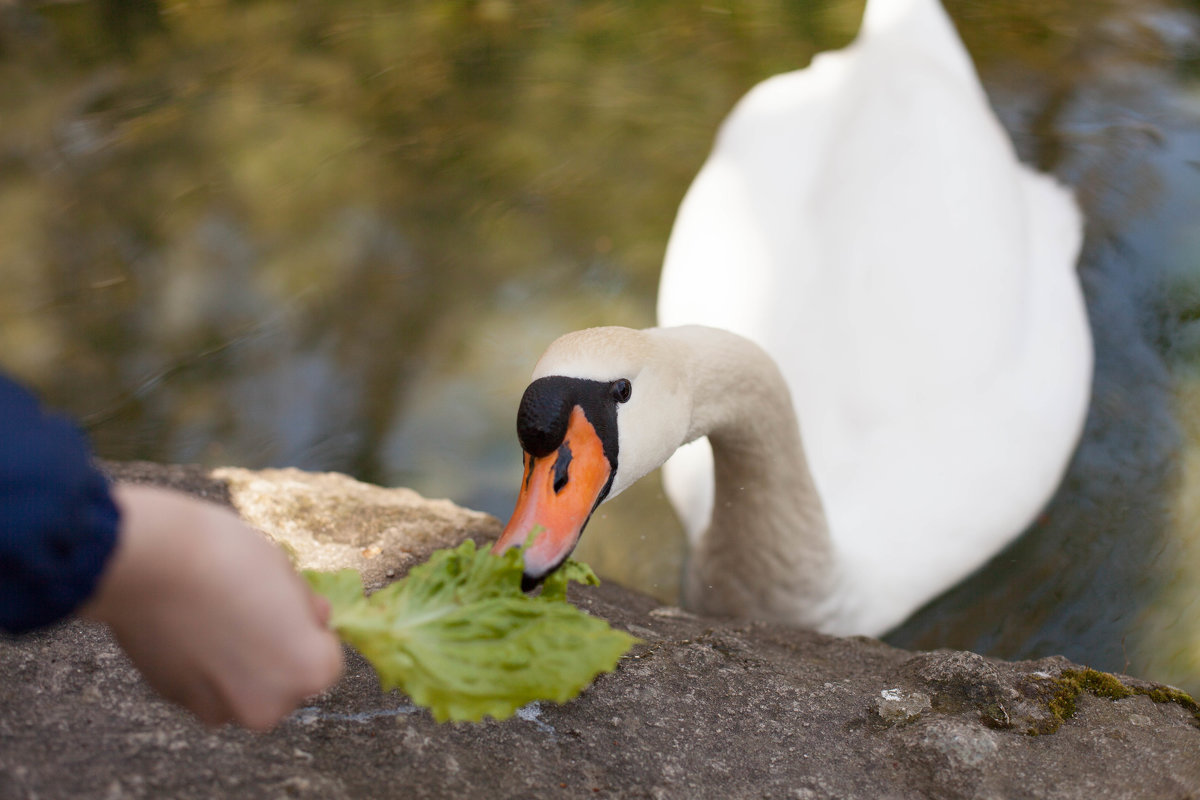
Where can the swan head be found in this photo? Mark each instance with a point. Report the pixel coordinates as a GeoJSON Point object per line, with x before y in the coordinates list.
{"type": "Point", "coordinates": [605, 407]}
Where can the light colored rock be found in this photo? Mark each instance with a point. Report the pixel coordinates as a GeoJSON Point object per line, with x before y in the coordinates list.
{"type": "Point", "coordinates": [326, 520]}
{"type": "Point", "coordinates": [897, 705]}
{"type": "Point", "coordinates": [331, 521]}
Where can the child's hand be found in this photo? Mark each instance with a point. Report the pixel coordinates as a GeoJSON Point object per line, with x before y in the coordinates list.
{"type": "Point", "coordinates": [212, 613]}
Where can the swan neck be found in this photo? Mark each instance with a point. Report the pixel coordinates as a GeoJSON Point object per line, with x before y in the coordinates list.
{"type": "Point", "coordinates": [767, 551]}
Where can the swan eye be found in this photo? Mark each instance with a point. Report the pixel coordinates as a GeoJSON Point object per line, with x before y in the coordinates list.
{"type": "Point", "coordinates": [621, 389]}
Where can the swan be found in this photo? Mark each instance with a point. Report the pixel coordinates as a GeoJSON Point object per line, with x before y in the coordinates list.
{"type": "Point", "coordinates": [873, 362]}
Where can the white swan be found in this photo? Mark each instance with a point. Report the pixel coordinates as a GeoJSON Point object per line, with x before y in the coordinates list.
{"type": "Point", "coordinates": [866, 222]}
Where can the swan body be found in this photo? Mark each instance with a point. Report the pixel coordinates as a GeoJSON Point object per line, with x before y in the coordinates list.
{"type": "Point", "coordinates": [865, 223]}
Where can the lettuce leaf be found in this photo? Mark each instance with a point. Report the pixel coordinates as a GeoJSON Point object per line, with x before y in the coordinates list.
{"type": "Point", "coordinates": [459, 637]}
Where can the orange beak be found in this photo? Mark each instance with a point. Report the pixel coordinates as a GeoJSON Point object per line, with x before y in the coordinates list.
{"type": "Point", "coordinates": [558, 493]}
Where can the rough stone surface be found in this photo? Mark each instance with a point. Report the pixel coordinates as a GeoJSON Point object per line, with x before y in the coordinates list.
{"type": "Point", "coordinates": [703, 709]}
{"type": "Point", "coordinates": [327, 520]}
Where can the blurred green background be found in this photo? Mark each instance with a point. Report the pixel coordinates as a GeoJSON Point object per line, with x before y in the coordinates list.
{"type": "Point", "coordinates": [338, 235]}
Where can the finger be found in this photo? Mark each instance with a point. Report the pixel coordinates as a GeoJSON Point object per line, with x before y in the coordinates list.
{"type": "Point", "coordinates": [176, 682]}
{"type": "Point", "coordinates": [334, 664]}
{"type": "Point", "coordinates": [204, 700]}
{"type": "Point", "coordinates": [321, 608]}
{"type": "Point", "coordinates": [263, 716]}
{"type": "Point", "coordinates": [323, 666]}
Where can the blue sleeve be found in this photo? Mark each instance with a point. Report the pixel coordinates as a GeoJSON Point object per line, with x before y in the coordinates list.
{"type": "Point", "coordinates": [58, 522]}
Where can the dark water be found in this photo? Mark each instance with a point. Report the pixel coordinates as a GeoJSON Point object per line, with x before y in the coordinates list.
{"type": "Point", "coordinates": [337, 236]}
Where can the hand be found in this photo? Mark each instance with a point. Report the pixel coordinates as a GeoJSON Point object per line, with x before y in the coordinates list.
{"type": "Point", "coordinates": [211, 612]}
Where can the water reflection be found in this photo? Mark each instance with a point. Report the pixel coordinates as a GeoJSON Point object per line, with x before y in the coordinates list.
{"type": "Point", "coordinates": [338, 236]}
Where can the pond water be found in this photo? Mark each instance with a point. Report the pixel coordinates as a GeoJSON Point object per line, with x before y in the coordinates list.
{"type": "Point", "coordinates": [337, 236]}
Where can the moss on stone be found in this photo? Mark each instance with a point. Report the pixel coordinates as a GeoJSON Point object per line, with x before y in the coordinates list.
{"type": "Point", "coordinates": [1074, 682]}
{"type": "Point", "coordinates": [1167, 694]}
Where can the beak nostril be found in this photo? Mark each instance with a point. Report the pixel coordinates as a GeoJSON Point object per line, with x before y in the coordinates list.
{"type": "Point", "coordinates": [528, 459]}
{"type": "Point", "coordinates": [562, 464]}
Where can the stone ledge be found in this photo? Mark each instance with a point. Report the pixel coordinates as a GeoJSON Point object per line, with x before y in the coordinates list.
{"type": "Point", "coordinates": [703, 709]}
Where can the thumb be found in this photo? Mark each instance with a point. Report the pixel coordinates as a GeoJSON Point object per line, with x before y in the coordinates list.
{"type": "Point", "coordinates": [320, 608]}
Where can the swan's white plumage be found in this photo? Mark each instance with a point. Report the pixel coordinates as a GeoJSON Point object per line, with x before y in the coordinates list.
{"type": "Point", "coordinates": [866, 221]}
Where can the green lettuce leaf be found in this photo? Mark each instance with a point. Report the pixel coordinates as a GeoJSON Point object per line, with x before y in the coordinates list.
{"type": "Point", "coordinates": [555, 585]}
{"type": "Point", "coordinates": [459, 637]}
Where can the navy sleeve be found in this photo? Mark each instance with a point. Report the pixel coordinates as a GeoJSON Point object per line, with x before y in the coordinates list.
{"type": "Point", "coordinates": [58, 522]}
